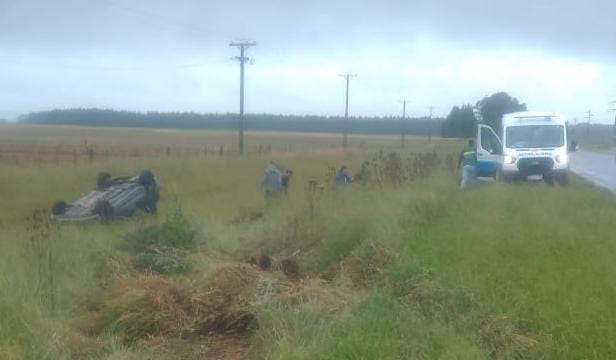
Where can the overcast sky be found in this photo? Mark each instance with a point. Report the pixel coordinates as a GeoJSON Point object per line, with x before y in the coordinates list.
{"type": "Point", "coordinates": [174, 56]}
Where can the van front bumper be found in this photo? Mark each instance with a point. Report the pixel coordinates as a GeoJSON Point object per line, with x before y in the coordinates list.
{"type": "Point", "coordinates": [534, 166]}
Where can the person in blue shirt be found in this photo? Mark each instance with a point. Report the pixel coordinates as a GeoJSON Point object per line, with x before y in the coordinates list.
{"type": "Point", "coordinates": [342, 176]}
{"type": "Point", "coordinates": [467, 163]}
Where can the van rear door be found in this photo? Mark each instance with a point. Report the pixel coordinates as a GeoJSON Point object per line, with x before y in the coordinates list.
{"type": "Point", "coordinates": [489, 151]}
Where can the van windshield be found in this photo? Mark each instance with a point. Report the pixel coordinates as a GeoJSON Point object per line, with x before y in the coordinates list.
{"type": "Point", "coordinates": [535, 136]}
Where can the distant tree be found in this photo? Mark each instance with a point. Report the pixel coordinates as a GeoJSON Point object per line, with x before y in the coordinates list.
{"type": "Point", "coordinates": [492, 108]}
{"type": "Point", "coordinates": [459, 123]}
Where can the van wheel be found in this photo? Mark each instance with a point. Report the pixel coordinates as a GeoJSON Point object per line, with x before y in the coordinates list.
{"type": "Point", "coordinates": [563, 179]}
{"type": "Point", "coordinates": [548, 178]}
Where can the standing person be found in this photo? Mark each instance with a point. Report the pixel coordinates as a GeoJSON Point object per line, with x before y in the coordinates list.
{"type": "Point", "coordinates": [342, 176]}
{"type": "Point", "coordinates": [468, 164]}
{"type": "Point", "coordinates": [272, 181]}
{"type": "Point", "coordinates": [286, 178]}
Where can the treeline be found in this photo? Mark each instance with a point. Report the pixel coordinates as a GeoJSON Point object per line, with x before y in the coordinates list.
{"type": "Point", "coordinates": [265, 122]}
{"type": "Point", "coordinates": [462, 121]}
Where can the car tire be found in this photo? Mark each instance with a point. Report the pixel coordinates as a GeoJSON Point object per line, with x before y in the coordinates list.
{"type": "Point", "coordinates": [148, 205]}
{"type": "Point", "coordinates": [59, 208]}
{"type": "Point", "coordinates": [146, 179]}
{"type": "Point", "coordinates": [104, 209]}
{"type": "Point", "coordinates": [103, 180]}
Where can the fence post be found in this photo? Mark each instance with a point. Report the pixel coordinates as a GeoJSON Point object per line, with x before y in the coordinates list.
{"type": "Point", "coordinates": [222, 150]}
{"type": "Point", "coordinates": [91, 155]}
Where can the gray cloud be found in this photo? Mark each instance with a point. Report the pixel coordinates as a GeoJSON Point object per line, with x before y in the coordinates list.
{"type": "Point", "coordinates": [129, 54]}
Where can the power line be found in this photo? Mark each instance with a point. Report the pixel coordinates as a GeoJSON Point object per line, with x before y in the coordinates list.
{"type": "Point", "coordinates": [242, 60]}
{"type": "Point", "coordinates": [403, 128]}
{"type": "Point", "coordinates": [348, 77]}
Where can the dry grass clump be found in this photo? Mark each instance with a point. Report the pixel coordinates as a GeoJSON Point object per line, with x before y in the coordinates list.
{"type": "Point", "coordinates": [223, 301]}
{"type": "Point", "coordinates": [288, 265]}
{"type": "Point", "coordinates": [139, 307]}
{"type": "Point", "coordinates": [259, 258]}
{"type": "Point", "coordinates": [435, 300]}
{"type": "Point", "coordinates": [8, 352]}
{"type": "Point", "coordinates": [503, 338]}
{"type": "Point", "coordinates": [320, 293]}
{"type": "Point", "coordinates": [78, 345]}
{"type": "Point", "coordinates": [365, 265]}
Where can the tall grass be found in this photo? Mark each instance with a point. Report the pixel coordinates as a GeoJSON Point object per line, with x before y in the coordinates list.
{"type": "Point", "coordinates": [414, 269]}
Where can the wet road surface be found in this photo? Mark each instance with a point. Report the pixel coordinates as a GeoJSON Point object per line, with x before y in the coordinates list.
{"type": "Point", "coordinates": [599, 168]}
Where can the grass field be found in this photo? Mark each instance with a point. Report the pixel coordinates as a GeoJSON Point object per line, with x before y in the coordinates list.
{"type": "Point", "coordinates": [401, 266]}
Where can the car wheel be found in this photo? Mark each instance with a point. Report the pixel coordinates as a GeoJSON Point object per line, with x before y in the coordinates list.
{"type": "Point", "coordinates": [58, 208]}
{"type": "Point", "coordinates": [104, 209]}
{"type": "Point", "coordinates": [103, 180]}
{"type": "Point", "coordinates": [148, 205]}
{"type": "Point", "coordinates": [146, 178]}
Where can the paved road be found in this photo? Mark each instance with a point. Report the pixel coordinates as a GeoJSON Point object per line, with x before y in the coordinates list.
{"type": "Point", "coordinates": [595, 167]}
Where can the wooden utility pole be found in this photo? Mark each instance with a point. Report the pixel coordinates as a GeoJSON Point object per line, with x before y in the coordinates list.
{"type": "Point", "coordinates": [430, 124]}
{"type": "Point", "coordinates": [589, 116]}
{"type": "Point", "coordinates": [403, 125]}
{"type": "Point", "coordinates": [243, 60]}
{"type": "Point", "coordinates": [613, 104]}
{"type": "Point", "coordinates": [348, 77]}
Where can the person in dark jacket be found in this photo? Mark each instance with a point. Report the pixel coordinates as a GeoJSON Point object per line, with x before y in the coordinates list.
{"type": "Point", "coordinates": [286, 178]}
{"type": "Point", "coordinates": [467, 163]}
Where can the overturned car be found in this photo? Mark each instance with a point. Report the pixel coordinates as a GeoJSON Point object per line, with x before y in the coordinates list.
{"type": "Point", "coordinates": [113, 198]}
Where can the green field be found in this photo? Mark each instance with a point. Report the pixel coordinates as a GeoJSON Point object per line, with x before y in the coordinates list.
{"type": "Point", "coordinates": [401, 266]}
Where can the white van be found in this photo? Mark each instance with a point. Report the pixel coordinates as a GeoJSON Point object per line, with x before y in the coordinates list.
{"type": "Point", "coordinates": [531, 143]}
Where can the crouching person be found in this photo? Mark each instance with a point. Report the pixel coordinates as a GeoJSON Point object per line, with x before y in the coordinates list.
{"type": "Point", "coordinates": [467, 164]}
{"type": "Point", "coordinates": [343, 177]}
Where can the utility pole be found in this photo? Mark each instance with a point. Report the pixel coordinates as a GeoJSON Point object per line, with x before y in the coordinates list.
{"type": "Point", "coordinates": [613, 105]}
{"type": "Point", "coordinates": [348, 77]}
{"type": "Point", "coordinates": [243, 60]}
{"type": "Point", "coordinates": [430, 124]}
{"type": "Point", "coordinates": [403, 129]}
{"type": "Point", "coordinates": [589, 116]}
